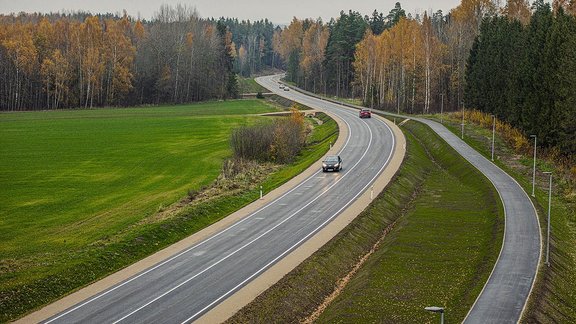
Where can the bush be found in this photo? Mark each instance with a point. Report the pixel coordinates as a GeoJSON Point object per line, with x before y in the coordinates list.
{"type": "Point", "coordinates": [280, 141]}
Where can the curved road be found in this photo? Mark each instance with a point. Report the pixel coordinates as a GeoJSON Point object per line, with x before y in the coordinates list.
{"type": "Point", "coordinates": [187, 285]}
{"type": "Point", "coordinates": [505, 295]}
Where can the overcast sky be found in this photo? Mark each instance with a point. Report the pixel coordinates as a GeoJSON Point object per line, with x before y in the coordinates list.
{"type": "Point", "coordinates": [279, 12]}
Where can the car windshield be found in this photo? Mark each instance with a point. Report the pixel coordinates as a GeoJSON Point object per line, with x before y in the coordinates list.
{"type": "Point", "coordinates": [331, 159]}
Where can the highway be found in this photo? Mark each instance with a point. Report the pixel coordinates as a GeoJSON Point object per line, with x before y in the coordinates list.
{"type": "Point", "coordinates": [505, 295]}
{"type": "Point", "coordinates": [183, 287]}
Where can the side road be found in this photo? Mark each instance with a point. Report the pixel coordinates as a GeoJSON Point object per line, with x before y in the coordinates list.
{"type": "Point", "coordinates": [506, 293]}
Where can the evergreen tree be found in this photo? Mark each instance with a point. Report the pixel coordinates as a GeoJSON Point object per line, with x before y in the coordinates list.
{"type": "Point", "coordinates": [345, 33]}
{"type": "Point", "coordinates": [561, 62]}
{"type": "Point", "coordinates": [394, 16]}
{"type": "Point", "coordinates": [377, 23]}
{"type": "Point", "coordinates": [533, 74]}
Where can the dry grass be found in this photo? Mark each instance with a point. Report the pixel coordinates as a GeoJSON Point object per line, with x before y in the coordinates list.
{"type": "Point", "coordinates": [552, 158]}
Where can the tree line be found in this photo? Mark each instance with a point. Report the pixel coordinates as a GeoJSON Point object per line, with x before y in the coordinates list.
{"type": "Point", "coordinates": [80, 60]}
{"type": "Point", "coordinates": [253, 45]}
{"type": "Point", "coordinates": [524, 72]}
{"type": "Point", "coordinates": [396, 61]}
{"type": "Point", "coordinates": [516, 61]}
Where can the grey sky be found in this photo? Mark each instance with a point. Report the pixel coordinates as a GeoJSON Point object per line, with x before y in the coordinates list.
{"type": "Point", "coordinates": [278, 11]}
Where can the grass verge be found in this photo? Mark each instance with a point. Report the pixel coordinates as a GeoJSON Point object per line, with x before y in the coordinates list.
{"type": "Point", "coordinates": [435, 232]}
{"type": "Point", "coordinates": [66, 270]}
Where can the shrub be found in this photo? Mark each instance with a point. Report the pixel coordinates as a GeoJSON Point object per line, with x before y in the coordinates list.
{"type": "Point", "coordinates": [280, 141]}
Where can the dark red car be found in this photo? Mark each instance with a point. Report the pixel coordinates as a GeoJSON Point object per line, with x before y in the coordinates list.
{"type": "Point", "coordinates": [365, 113]}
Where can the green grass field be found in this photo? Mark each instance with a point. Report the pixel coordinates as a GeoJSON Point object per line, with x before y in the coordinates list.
{"type": "Point", "coordinates": [74, 177]}
{"type": "Point", "coordinates": [249, 85]}
{"type": "Point", "coordinates": [78, 186]}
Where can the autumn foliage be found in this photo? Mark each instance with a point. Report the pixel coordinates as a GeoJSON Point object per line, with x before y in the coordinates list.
{"type": "Point", "coordinates": [69, 61]}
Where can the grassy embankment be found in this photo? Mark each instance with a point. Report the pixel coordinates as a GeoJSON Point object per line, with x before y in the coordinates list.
{"type": "Point", "coordinates": [554, 295]}
{"type": "Point", "coordinates": [78, 189]}
{"type": "Point", "coordinates": [435, 231]}
{"type": "Point", "coordinates": [249, 85]}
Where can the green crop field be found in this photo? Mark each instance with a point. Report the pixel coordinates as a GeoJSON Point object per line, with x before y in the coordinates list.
{"type": "Point", "coordinates": [249, 85]}
{"type": "Point", "coordinates": [72, 177]}
{"type": "Point", "coordinates": [69, 179]}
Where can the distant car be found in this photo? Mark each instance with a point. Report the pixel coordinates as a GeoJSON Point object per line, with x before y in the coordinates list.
{"type": "Point", "coordinates": [286, 89]}
{"type": "Point", "coordinates": [281, 86]}
{"type": "Point", "coordinates": [365, 113]}
{"type": "Point", "coordinates": [332, 163]}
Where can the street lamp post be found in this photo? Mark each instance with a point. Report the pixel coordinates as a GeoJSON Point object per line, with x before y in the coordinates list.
{"type": "Point", "coordinates": [462, 120]}
{"type": "Point", "coordinates": [442, 109]}
{"type": "Point", "coordinates": [493, 133]}
{"type": "Point", "coordinates": [436, 309]}
{"type": "Point", "coordinates": [548, 231]}
{"type": "Point", "coordinates": [534, 168]}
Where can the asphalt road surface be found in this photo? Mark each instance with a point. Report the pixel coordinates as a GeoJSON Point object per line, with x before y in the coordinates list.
{"type": "Point", "coordinates": [185, 286]}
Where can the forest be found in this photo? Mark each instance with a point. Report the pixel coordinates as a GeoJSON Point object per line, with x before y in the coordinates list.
{"type": "Point", "coordinates": [517, 62]}
{"type": "Point", "coordinates": [524, 72]}
{"type": "Point", "coordinates": [80, 60]}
